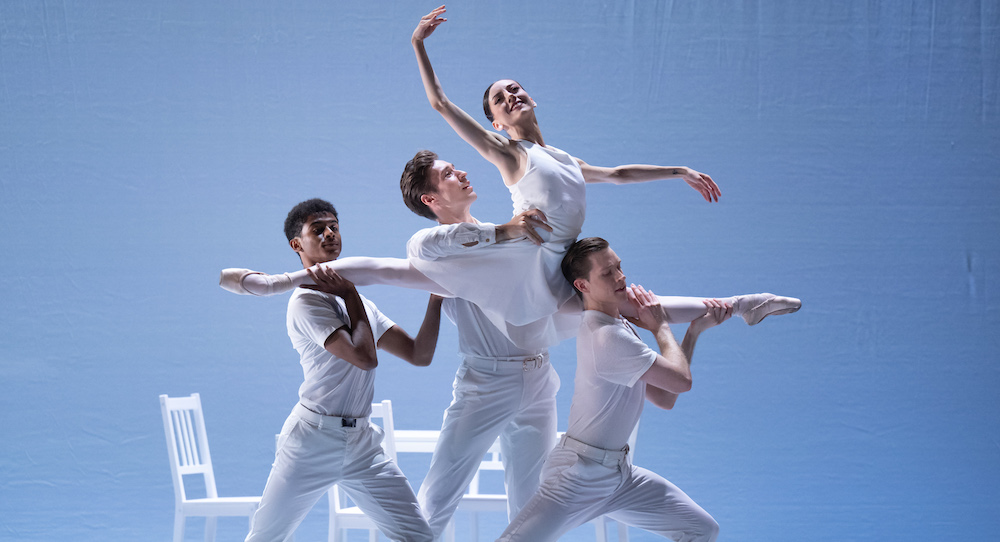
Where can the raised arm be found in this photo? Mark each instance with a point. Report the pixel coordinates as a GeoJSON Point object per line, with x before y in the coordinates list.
{"type": "Point", "coordinates": [637, 173]}
{"type": "Point", "coordinates": [417, 351]}
{"type": "Point", "coordinates": [499, 150]}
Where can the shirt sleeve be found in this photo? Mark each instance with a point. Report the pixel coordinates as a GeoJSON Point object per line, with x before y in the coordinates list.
{"type": "Point", "coordinates": [449, 239]}
{"type": "Point", "coordinates": [380, 322]}
{"type": "Point", "coordinates": [627, 357]}
{"type": "Point", "coordinates": [314, 316]}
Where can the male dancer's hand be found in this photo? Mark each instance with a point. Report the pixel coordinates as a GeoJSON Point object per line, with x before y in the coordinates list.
{"type": "Point", "coordinates": [329, 281]}
{"type": "Point", "coordinates": [523, 225]}
{"type": "Point", "coordinates": [718, 312]}
{"type": "Point", "coordinates": [650, 314]}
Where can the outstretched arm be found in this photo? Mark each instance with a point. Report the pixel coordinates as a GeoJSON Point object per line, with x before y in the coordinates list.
{"type": "Point", "coordinates": [499, 150]}
{"type": "Point", "coordinates": [637, 173]}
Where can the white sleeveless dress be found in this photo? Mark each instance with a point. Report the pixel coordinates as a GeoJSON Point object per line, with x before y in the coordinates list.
{"type": "Point", "coordinates": [519, 285]}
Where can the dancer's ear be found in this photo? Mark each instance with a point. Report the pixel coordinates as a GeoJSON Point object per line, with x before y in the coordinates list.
{"type": "Point", "coordinates": [427, 199]}
{"type": "Point", "coordinates": [582, 285]}
{"type": "Point", "coordinates": [497, 125]}
{"type": "Point", "coordinates": [296, 244]}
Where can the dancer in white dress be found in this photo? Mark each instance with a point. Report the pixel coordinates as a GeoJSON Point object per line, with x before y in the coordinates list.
{"type": "Point", "coordinates": [518, 287]}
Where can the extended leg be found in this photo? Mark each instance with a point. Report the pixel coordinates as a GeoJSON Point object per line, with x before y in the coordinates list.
{"type": "Point", "coordinates": [361, 270]}
{"type": "Point", "coordinates": [752, 307]}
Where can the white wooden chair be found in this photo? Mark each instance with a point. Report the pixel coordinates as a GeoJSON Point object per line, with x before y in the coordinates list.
{"type": "Point", "coordinates": [187, 448]}
{"type": "Point", "coordinates": [344, 515]}
{"type": "Point", "coordinates": [475, 502]}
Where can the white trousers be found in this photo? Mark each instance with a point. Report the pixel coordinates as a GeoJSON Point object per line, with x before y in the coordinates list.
{"type": "Point", "coordinates": [514, 400]}
{"type": "Point", "coordinates": [577, 487]}
{"type": "Point", "coordinates": [314, 452]}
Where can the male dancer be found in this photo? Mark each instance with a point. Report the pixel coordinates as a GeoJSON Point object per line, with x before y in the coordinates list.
{"type": "Point", "coordinates": [500, 388]}
{"type": "Point", "coordinates": [327, 438]}
{"type": "Point", "coordinates": [590, 472]}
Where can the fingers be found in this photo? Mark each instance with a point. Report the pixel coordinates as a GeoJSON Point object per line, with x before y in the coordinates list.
{"type": "Point", "coordinates": [718, 311]}
{"type": "Point", "coordinates": [529, 220]}
{"type": "Point", "coordinates": [539, 219]}
{"type": "Point", "coordinates": [713, 188]}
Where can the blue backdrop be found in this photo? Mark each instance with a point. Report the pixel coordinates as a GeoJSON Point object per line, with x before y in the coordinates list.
{"type": "Point", "coordinates": [146, 145]}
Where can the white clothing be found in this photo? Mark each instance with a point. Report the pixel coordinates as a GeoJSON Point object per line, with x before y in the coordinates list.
{"type": "Point", "coordinates": [500, 389]}
{"type": "Point", "coordinates": [520, 286]}
{"type": "Point", "coordinates": [330, 386]}
{"type": "Point", "coordinates": [610, 360]}
{"type": "Point", "coordinates": [590, 472]}
{"type": "Point", "coordinates": [327, 439]}
{"type": "Point", "coordinates": [313, 455]}
{"type": "Point", "coordinates": [576, 489]}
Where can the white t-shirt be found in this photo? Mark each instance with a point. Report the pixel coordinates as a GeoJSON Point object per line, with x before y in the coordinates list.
{"type": "Point", "coordinates": [331, 385]}
{"type": "Point", "coordinates": [477, 336]}
{"type": "Point", "coordinates": [608, 396]}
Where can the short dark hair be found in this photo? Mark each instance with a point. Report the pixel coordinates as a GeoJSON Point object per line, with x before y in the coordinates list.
{"type": "Point", "coordinates": [486, 99]}
{"type": "Point", "coordinates": [416, 181]}
{"type": "Point", "coordinates": [576, 262]}
{"type": "Point", "coordinates": [302, 211]}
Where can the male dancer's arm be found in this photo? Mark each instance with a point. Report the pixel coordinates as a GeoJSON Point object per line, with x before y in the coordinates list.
{"type": "Point", "coordinates": [449, 239]}
{"type": "Point", "coordinates": [670, 374]}
{"type": "Point", "coordinates": [417, 351]}
{"type": "Point", "coordinates": [353, 342]}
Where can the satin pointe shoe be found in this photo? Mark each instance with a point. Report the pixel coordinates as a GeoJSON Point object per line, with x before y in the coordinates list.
{"type": "Point", "coordinates": [231, 280]}
{"type": "Point", "coordinates": [756, 307]}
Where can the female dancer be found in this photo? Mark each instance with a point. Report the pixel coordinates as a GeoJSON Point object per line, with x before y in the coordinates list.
{"type": "Point", "coordinates": [518, 285]}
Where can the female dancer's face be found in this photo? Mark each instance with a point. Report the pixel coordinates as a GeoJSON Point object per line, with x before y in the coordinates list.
{"type": "Point", "coordinates": [509, 103]}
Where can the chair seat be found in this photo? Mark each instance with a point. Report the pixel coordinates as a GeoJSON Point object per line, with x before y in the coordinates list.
{"type": "Point", "coordinates": [221, 506]}
{"type": "Point", "coordinates": [483, 503]}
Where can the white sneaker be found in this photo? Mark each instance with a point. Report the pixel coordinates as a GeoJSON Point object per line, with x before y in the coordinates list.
{"type": "Point", "coordinates": [756, 307]}
{"type": "Point", "coordinates": [232, 280]}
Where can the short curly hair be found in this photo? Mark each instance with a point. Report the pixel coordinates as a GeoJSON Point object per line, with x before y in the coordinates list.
{"type": "Point", "coordinates": [302, 211]}
{"type": "Point", "coordinates": [416, 181]}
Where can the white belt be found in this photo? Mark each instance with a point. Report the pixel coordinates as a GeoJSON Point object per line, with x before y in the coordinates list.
{"type": "Point", "coordinates": [524, 363]}
{"type": "Point", "coordinates": [605, 457]}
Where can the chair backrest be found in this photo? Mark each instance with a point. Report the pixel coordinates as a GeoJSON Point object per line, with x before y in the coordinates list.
{"type": "Point", "coordinates": [382, 411]}
{"type": "Point", "coordinates": [187, 443]}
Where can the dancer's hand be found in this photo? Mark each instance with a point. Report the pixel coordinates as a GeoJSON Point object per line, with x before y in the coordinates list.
{"type": "Point", "coordinates": [650, 314]}
{"type": "Point", "coordinates": [428, 23]}
{"type": "Point", "coordinates": [524, 225]}
{"type": "Point", "coordinates": [718, 312]}
{"type": "Point", "coordinates": [329, 281]}
{"type": "Point", "coordinates": [702, 183]}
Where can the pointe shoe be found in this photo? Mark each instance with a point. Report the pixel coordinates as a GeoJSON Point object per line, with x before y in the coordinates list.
{"type": "Point", "coordinates": [756, 307]}
{"type": "Point", "coordinates": [231, 279]}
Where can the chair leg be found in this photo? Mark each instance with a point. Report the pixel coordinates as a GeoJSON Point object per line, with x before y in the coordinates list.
{"type": "Point", "coordinates": [210, 524]}
{"type": "Point", "coordinates": [373, 535]}
{"type": "Point", "coordinates": [179, 521]}
{"type": "Point", "coordinates": [601, 532]}
{"type": "Point", "coordinates": [622, 532]}
{"type": "Point", "coordinates": [474, 526]}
